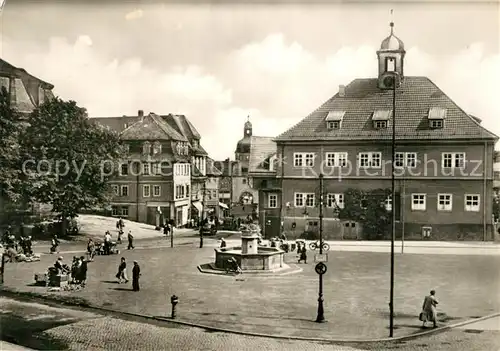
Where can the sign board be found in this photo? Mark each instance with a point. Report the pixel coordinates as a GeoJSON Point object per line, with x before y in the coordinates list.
{"type": "Point", "coordinates": [321, 258]}
{"type": "Point", "coordinates": [320, 268]}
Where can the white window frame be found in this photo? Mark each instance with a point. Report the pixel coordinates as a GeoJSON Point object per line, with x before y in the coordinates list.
{"type": "Point", "coordinates": [155, 192]}
{"type": "Point", "coordinates": [445, 202]}
{"type": "Point", "coordinates": [272, 201]}
{"type": "Point", "coordinates": [148, 192]}
{"type": "Point", "coordinates": [124, 211]}
{"type": "Point", "coordinates": [455, 160]}
{"type": "Point", "coordinates": [370, 156]}
{"type": "Point", "coordinates": [116, 190]}
{"type": "Point", "coordinates": [303, 159]}
{"type": "Point", "coordinates": [298, 200]}
{"type": "Point", "coordinates": [469, 200]}
{"type": "Point", "coordinates": [437, 123]}
{"type": "Point", "coordinates": [405, 160]}
{"type": "Point", "coordinates": [419, 206]}
{"type": "Point", "coordinates": [388, 203]}
{"type": "Point", "coordinates": [121, 169]}
{"type": "Point", "coordinates": [333, 124]}
{"type": "Point", "coordinates": [146, 169]}
{"type": "Point", "coordinates": [334, 200]}
{"type": "Point", "coordinates": [336, 159]}
{"type": "Point", "coordinates": [122, 192]}
{"type": "Point", "coordinates": [382, 124]}
{"type": "Point", "coordinates": [309, 199]}
{"type": "Point", "coordinates": [115, 211]}
{"type": "Point", "coordinates": [146, 148]}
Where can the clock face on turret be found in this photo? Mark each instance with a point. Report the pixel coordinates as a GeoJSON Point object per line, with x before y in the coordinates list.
{"type": "Point", "coordinates": [389, 81]}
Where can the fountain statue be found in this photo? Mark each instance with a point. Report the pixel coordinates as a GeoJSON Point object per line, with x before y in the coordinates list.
{"type": "Point", "coordinates": [250, 255]}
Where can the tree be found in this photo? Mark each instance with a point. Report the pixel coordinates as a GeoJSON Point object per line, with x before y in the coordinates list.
{"type": "Point", "coordinates": [67, 158]}
{"type": "Point", "coordinates": [10, 127]}
{"type": "Point", "coordinates": [368, 208]}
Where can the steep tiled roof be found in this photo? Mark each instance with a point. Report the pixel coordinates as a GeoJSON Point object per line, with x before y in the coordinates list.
{"type": "Point", "coordinates": [414, 98]}
{"type": "Point", "coordinates": [118, 124]}
{"type": "Point", "coordinates": [261, 148]}
{"type": "Point", "coordinates": [212, 170]}
{"type": "Point", "coordinates": [182, 125]}
{"type": "Point", "coordinates": [151, 127]}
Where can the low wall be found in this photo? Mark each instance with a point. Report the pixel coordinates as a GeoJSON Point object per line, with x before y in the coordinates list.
{"type": "Point", "coordinates": [266, 259]}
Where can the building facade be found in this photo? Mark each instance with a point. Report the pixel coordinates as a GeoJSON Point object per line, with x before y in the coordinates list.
{"type": "Point", "coordinates": [443, 162]}
{"type": "Point", "coordinates": [25, 90]}
{"type": "Point", "coordinates": [237, 187]}
{"type": "Point", "coordinates": [164, 169]}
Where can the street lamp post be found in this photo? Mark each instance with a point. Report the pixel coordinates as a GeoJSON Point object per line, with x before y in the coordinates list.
{"type": "Point", "coordinates": [393, 205]}
{"type": "Point", "coordinates": [321, 316]}
{"type": "Point", "coordinates": [202, 214]}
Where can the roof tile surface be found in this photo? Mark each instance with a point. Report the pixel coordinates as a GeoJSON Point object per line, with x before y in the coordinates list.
{"type": "Point", "coordinates": [414, 98]}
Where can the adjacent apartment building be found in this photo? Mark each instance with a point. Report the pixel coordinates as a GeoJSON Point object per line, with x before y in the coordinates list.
{"type": "Point", "coordinates": [164, 171]}
{"type": "Point", "coordinates": [444, 158]}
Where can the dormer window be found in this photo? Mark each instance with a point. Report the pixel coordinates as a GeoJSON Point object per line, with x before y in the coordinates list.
{"type": "Point", "coordinates": [334, 119]}
{"type": "Point", "coordinates": [436, 117]}
{"type": "Point", "coordinates": [157, 148]}
{"type": "Point", "coordinates": [146, 148]}
{"type": "Point", "coordinates": [195, 143]}
{"type": "Point", "coordinates": [380, 118]}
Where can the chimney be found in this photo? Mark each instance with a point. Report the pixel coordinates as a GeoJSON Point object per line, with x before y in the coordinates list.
{"type": "Point", "coordinates": [140, 113]}
{"type": "Point", "coordinates": [342, 90]}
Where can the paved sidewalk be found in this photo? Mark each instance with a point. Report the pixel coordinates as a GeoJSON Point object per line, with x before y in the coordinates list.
{"type": "Point", "coordinates": [492, 324]}
{"type": "Point", "coordinates": [6, 346]}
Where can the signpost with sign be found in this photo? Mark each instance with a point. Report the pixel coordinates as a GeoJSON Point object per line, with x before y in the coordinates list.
{"type": "Point", "coordinates": [321, 258]}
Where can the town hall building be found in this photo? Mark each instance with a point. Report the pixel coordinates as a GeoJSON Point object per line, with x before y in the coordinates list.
{"type": "Point", "coordinates": [443, 161]}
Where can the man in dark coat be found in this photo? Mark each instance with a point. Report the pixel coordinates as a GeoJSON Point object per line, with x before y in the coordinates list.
{"type": "Point", "coordinates": [136, 273]}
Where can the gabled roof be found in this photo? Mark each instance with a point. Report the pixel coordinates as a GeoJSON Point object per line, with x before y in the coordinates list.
{"type": "Point", "coordinates": [212, 170]}
{"type": "Point", "coordinates": [414, 98]}
{"type": "Point", "coordinates": [151, 127]}
{"type": "Point", "coordinates": [181, 124]}
{"type": "Point", "coordinates": [184, 127]}
{"type": "Point", "coordinates": [261, 149]}
{"type": "Point", "coordinates": [118, 124]}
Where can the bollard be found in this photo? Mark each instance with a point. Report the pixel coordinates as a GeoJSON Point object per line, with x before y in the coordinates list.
{"type": "Point", "coordinates": [174, 300]}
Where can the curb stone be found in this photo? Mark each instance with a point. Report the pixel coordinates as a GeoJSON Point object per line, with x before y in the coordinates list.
{"type": "Point", "coordinates": [85, 305]}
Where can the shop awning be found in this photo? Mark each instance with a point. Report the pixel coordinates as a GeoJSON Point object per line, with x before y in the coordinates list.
{"type": "Point", "coordinates": [197, 205]}
{"type": "Point", "coordinates": [223, 205]}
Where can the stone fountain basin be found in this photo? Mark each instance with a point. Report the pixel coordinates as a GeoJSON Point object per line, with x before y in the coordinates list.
{"type": "Point", "coordinates": [266, 258]}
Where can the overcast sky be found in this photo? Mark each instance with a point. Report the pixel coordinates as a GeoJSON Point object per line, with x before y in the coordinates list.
{"type": "Point", "coordinates": [219, 63]}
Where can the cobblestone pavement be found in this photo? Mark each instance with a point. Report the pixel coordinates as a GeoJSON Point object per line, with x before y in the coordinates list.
{"type": "Point", "coordinates": [80, 330]}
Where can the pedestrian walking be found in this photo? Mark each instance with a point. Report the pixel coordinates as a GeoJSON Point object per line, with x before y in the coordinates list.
{"type": "Point", "coordinates": [136, 273]}
{"type": "Point", "coordinates": [303, 255]}
{"type": "Point", "coordinates": [120, 233]}
{"type": "Point", "coordinates": [429, 312]}
{"type": "Point", "coordinates": [55, 244]}
{"type": "Point", "coordinates": [83, 271]}
{"type": "Point", "coordinates": [130, 238]}
{"type": "Point", "coordinates": [166, 229]}
{"type": "Point", "coordinates": [122, 271]}
{"type": "Point", "coordinates": [91, 249]}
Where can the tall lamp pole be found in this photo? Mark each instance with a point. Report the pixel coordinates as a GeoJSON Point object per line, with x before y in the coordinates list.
{"type": "Point", "coordinates": [321, 316]}
{"type": "Point", "coordinates": [202, 214]}
{"type": "Point", "coordinates": [393, 205]}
